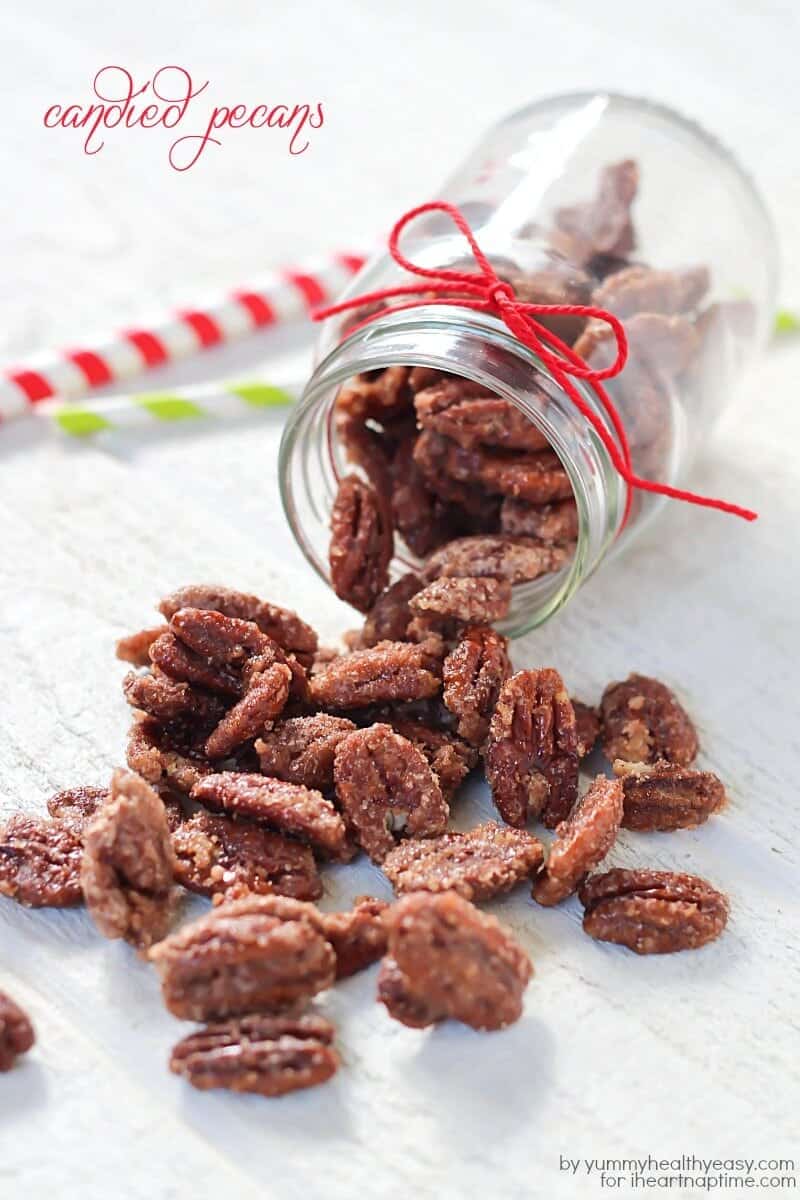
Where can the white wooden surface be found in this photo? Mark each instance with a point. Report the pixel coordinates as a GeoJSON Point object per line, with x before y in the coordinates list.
{"type": "Point", "coordinates": [615, 1057]}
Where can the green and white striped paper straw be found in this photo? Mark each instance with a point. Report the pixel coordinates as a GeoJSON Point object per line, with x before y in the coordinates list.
{"type": "Point", "coordinates": [135, 412]}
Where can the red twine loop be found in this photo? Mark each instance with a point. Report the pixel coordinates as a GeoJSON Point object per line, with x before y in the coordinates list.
{"type": "Point", "coordinates": [484, 291]}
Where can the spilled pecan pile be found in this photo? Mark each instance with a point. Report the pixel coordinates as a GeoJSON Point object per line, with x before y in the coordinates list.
{"type": "Point", "coordinates": [257, 760]}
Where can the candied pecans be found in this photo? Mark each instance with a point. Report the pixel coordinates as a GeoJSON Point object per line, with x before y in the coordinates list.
{"type": "Point", "coordinates": [448, 960]}
{"type": "Point", "coordinates": [301, 749]}
{"type": "Point", "coordinates": [532, 752]}
{"type": "Point", "coordinates": [359, 936]}
{"type": "Point", "coordinates": [288, 808]}
{"type": "Point", "coordinates": [662, 796]}
{"type": "Point", "coordinates": [268, 1055]}
{"type": "Point", "coordinates": [216, 855]}
{"type": "Point", "coordinates": [387, 790]}
{"type": "Point", "coordinates": [388, 672]}
{"type": "Point", "coordinates": [16, 1032]}
{"type": "Point", "coordinates": [40, 862]}
{"type": "Point", "coordinates": [473, 674]}
{"type": "Point", "coordinates": [129, 864]}
{"type": "Point", "coordinates": [362, 543]}
{"type": "Point", "coordinates": [479, 864]}
{"type": "Point", "coordinates": [241, 958]}
{"type": "Point", "coordinates": [642, 721]}
{"type": "Point", "coordinates": [652, 912]}
{"type": "Point", "coordinates": [581, 842]}
{"type": "Point", "coordinates": [470, 601]}
{"type": "Point", "coordinates": [76, 806]}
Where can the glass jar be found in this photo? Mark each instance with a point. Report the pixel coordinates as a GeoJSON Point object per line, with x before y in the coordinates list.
{"type": "Point", "coordinates": [583, 198]}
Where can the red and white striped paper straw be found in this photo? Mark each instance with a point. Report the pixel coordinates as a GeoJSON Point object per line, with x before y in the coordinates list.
{"type": "Point", "coordinates": [281, 296]}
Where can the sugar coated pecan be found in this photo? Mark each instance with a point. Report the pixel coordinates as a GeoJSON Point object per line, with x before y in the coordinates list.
{"type": "Point", "coordinates": [128, 864]}
{"type": "Point", "coordinates": [422, 518]}
{"type": "Point", "coordinates": [176, 660]}
{"type": "Point", "coordinates": [390, 671]}
{"type": "Point", "coordinates": [558, 282]}
{"type": "Point", "coordinates": [264, 700]}
{"type": "Point", "coordinates": [218, 639]}
{"type": "Point", "coordinates": [358, 936]}
{"type": "Point", "coordinates": [473, 673]}
{"type": "Point", "coordinates": [389, 616]}
{"type": "Point", "coordinates": [76, 806]}
{"type": "Point", "coordinates": [153, 754]}
{"type": "Point", "coordinates": [168, 700]}
{"type": "Point", "coordinates": [471, 601]}
{"type": "Point", "coordinates": [241, 958]}
{"type": "Point", "coordinates": [387, 789]}
{"type": "Point", "coordinates": [662, 796]}
{"type": "Point", "coordinates": [268, 1055]}
{"type": "Point", "coordinates": [376, 394]}
{"type": "Point", "coordinates": [451, 759]}
{"type": "Point", "coordinates": [16, 1032]}
{"type": "Point", "coordinates": [280, 624]}
{"type": "Point", "coordinates": [453, 472]}
{"type": "Point", "coordinates": [587, 721]}
{"type": "Point", "coordinates": [641, 289]}
{"type": "Point", "coordinates": [361, 543]}
{"type": "Point", "coordinates": [217, 854]}
{"type": "Point", "coordinates": [135, 648]}
{"type": "Point", "coordinates": [511, 558]}
{"type": "Point", "coordinates": [653, 912]}
{"type": "Point", "coordinates": [301, 749]}
{"type": "Point", "coordinates": [288, 808]}
{"type": "Point", "coordinates": [40, 862]}
{"type": "Point", "coordinates": [446, 959]}
{"type": "Point", "coordinates": [532, 752]}
{"type": "Point", "coordinates": [471, 417]}
{"type": "Point", "coordinates": [642, 721]}
{"type": "Point", "coordinates": [556, 522]}
{"type": "Point", "coordinates": [581, 842]}
{"type": "Point", "coordinates": [603, 224]}
{"type": "Point", "coordinates": [482, 863]}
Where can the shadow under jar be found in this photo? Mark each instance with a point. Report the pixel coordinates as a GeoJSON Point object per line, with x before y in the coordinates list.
{"type": "Point", "coordinates": [589, 198]}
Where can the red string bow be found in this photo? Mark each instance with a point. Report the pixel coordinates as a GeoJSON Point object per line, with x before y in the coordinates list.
{"type": "Point", "coordinates": [484, 291]}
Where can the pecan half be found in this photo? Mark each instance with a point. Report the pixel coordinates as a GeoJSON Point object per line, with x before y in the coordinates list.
{"type": "Point", "coordinates": [241, 958]}
{"type": "Point", "coordinates": [264, 700]}
{"type": "Point", "coordinates": [76, 806]}
{"type": "Point", "coordinates": [471, 601]}
{"type": "Point", "coordinates": [386, 789]}
{"type": "Point", "coordinates": [421, 516]}
{"type": "Point", "coordinates": [288, 808]}
{"type": "Point", "coordinates": [642, 721]}
{"type": "Point", "coordinates": [168, 700]}
{"type": "Point", "coordinates": [361, 545]}
{"type": "Point", "coordinates": [641, 289]}
{"type": "Point", "coordinates": [556, 522]}
{"type": "Point", "coordinates": [469, 416]}
{"type": "Point", "coordinates": [388, 672]}
{"type": "Point", "coordinates": [601, 225]}
{"type": "Point", "coordinates": [446, 959]}
{"type": "Point", "coordinates": [581, 842]}
{"type": "Point", "coordinates": [218, 639]}
{"type": "Point", "coordinates": [176, 660]}
{"type": "Point", "coordinates": [662, 796]}
{"type": "Point", "coordinates": [16, 1032]}
{"type": "Point", "coordinates": [301, 749]}
{"type": "Point", "coordinates": [281, 624]}
{"type": "Point", "coordinates": [652, 912]}
{"type": "Point", "coordinates": [377, 394]}
{"type": "Point", "coordinates": [484, 862]}
{"type": "Point", "coordinates": [128, 864]}
{"type": "Point", "coordinates": [514, 559]}
{"type": "Point", "coordinates": [473, 674]}
{"type": "Point", "coordinates": [216, 854]}
{"type": "Point", "coordinates": [40, 862]}
{"type": "Point", "coordinates": [268, 1055]}
{"type": "Point", "coordinates": [532, 752]}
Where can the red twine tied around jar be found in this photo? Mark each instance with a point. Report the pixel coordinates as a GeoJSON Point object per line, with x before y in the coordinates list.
{"type": "Point", "coordinates": [484, 291]}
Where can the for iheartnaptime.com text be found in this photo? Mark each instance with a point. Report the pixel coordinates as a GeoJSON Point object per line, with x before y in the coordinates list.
{"type": "Point", "coordinates": [168, 100]}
